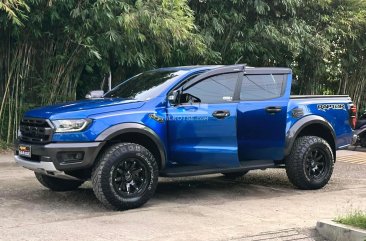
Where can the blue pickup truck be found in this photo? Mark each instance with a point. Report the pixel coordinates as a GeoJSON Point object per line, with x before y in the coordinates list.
{"type": "Point", "coordinates": [182, 121]}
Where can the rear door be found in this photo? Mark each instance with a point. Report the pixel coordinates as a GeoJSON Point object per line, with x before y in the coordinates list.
{"type": "Point", "coordinates": [261, 116]}
{"type": "Point", "coordinates": [202, 133]}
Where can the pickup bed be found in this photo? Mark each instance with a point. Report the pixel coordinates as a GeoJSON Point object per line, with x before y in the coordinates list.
{"type": "Point", "coordinates": [182, 121]}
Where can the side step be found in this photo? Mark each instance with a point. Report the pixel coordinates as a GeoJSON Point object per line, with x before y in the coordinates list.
{"type": "Point", "coordinates": [195, 170]}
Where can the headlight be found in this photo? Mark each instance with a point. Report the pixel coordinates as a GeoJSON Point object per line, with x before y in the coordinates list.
{"type": "Point", "coordinates": [70, 125]}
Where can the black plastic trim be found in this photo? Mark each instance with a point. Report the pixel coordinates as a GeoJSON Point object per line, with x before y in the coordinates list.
{"type": "Point", "coordinates": [36, 123]}
{"type": "Point", "coordinates": [237, 91]}
{"type": "Point", "coordinates": [50, 153]}
{"type": "Point", "coordinates": [192, 171]}
{"type": "Point", "coordinates": [294, 131]}
{"type": "Point", "coordinates": [124, 128]}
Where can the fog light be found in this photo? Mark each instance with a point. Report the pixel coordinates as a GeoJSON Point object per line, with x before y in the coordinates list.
{"type": "Point", "coordinates": [79, 156]}
{"type": "Point", "coordinates": [70, 157]}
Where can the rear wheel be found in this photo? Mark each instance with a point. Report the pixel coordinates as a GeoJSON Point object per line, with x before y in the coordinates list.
{"type": "Point", "coordinates": [235, 175]}
{"type": "Point", "coordinates": [58, 184]}
{"type": "Point", "coordinates": [310, 164]}
{"type": "Point", "coordinates": [125, 177]}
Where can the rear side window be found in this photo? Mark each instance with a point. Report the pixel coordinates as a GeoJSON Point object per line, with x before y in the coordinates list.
{"type": "Point", "coordinates": [216, 89]}
{"type": "Point", "coordinates": [263, 87]}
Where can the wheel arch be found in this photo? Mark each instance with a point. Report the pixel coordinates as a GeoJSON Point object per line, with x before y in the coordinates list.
{"type": "Point", "coordinates": [136, 133]}
{"type": "Point", "coordinates": [311, 126]}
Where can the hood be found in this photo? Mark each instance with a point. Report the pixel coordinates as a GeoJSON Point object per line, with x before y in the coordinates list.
{"type": "Point", "coordinates": [83, 108]}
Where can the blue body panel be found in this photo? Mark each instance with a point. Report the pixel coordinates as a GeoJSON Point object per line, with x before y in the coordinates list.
{"type": "Point", "coordinates": [191, 136]}
{"type": "Point", "coordinates": [338, 119]}
{"type": "Point", "coordinates": [196, 138]}
{"type": "Point", "coordinates": [261, 135]}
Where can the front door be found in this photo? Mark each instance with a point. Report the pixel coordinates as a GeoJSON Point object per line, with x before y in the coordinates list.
{"type": "Point", "coordinates": [202, 127]}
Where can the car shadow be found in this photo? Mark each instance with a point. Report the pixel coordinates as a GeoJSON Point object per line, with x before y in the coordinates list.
{"type": "Point", "coordinates": [216, 188]}
{"type": "Point", "coordinates": [211, 189]}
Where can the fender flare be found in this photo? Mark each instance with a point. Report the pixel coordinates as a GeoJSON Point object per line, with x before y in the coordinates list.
{"type": "Point", "coordinates": [124, 128]}
{"type": "Point", "coordinates": [296, 128]}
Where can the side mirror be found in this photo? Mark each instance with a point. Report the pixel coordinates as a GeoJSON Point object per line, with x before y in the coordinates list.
{"type": "Point", "coordinates": [95, 94]}
{"type": "Point", "coordinates": [173, 97]}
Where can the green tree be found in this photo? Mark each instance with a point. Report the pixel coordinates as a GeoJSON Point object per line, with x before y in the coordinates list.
{"type": "Point", "coordinates": [322, 41]}
{"type": "Point", "coordinates": [47, 45]}
{"type": "Point", "coordinates": [54, 51]}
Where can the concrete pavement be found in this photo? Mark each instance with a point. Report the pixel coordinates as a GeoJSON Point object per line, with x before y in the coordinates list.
{"type": "Point", "coordinates": [262, 205]}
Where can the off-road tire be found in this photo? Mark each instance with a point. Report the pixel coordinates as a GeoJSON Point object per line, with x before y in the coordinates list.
{"type": "Point", "coordinates": [104, 183]}
{"type": "Point", "coordinates": [234, 175]}
{"type": "Point", "coordinates": [58, 184]}
{"type": "Point", "coordinates": [296, 162]}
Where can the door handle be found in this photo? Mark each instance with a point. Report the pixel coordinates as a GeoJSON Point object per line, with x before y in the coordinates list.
{"type": "Point", "coordinates": [273, 109]}
{"type": "Point", "coordinates": [221, 114]}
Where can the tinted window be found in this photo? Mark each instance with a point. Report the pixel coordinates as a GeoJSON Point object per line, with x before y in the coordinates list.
{"type": "Point", "coordinates": [216, 89]}
{"type": "Point", "coordinates": [261, 87]}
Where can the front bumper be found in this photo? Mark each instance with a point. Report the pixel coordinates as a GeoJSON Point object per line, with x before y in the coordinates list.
{"type": "Point", "coordinates": [50, 157]}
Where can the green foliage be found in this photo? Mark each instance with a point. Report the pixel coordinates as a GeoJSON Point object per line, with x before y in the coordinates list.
{"type": "Point", "coordinates": [53, 51]}
{"type": "Point", "coordinates": [15, 10]}
{"type": "Point", "coordinates": [5, 146]}
{"type": "Point", "coordinates": [322, 41]}
{"type": "Point", "coordinates": [47, 49]}
{"type": "Point", "coordinates": [355, 219]}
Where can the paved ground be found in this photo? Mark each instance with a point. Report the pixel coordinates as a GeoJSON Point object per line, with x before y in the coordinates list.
{"type": "Point", "coordinates": [261, 206]}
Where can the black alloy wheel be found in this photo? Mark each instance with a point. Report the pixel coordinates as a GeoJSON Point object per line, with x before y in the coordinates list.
{"type": "Point", "coordinates": [316, 164]}
{"type": "Point", "coordinates": [130, 177]}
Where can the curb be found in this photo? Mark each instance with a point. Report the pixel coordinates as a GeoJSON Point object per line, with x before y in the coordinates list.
{"type": "Point", "coordinates": [333, 231]}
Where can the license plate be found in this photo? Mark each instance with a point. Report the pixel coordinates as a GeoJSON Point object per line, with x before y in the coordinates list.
{"type": "Point", "coordinates": [25, 150]}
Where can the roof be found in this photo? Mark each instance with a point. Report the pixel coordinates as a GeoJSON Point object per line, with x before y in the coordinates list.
{"type": "Point", "coordinates": [267, 70]}
{"type": "Point", "coordinates": [191, 67]}
{"type": "Point", "coordinates": [248, 69]}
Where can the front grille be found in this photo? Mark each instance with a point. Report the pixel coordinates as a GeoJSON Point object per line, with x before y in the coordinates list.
{"type": "Point", "coordinates": [35, 130]}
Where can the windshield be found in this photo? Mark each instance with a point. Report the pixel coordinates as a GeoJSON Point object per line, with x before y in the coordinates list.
{"type": "Point", "coordinates": [144, 86]}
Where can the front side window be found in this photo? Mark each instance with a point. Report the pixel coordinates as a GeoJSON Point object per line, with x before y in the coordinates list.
{"type": "Point", "coordinates": [215, 89]}
{"type": "Point", "coordinates": [262, 86]}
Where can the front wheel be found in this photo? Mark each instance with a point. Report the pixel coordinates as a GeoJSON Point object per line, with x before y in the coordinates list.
{"type": "Point", "coordinates": [125, 176]}
{"type": "Point", "coordinates": [310, 164]}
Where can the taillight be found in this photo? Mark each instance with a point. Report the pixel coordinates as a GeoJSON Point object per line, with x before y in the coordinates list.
{"type": "Point", "coordinates": [353, 116]}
